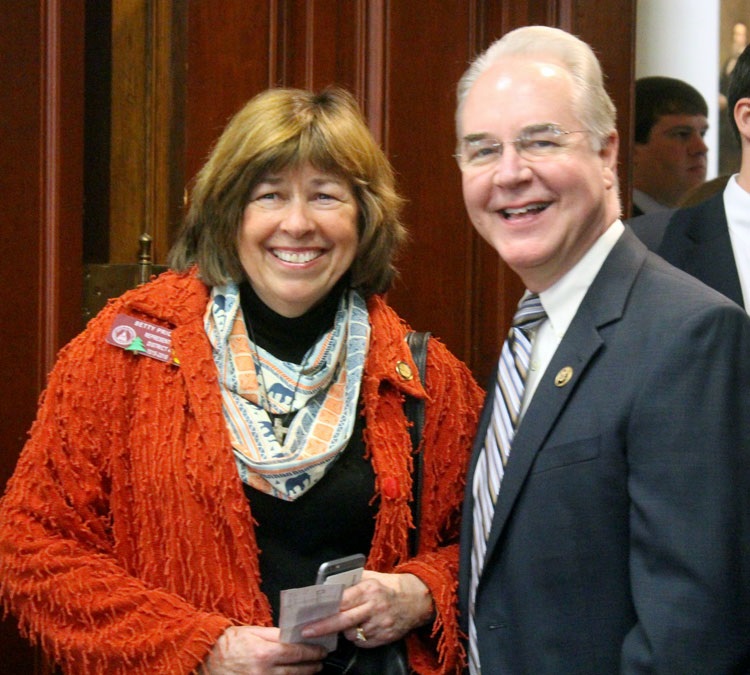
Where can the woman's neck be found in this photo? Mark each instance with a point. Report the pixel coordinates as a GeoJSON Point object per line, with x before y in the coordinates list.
{"type": "Point", "coordinates": [288, 339]}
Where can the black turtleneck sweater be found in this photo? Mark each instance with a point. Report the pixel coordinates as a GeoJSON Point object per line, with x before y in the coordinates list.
{"type": "Point", "coordinates": [332, 519]}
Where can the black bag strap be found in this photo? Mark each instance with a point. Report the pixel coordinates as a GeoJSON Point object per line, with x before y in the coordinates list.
{"type": "Point", "coordinates": [414, 409]}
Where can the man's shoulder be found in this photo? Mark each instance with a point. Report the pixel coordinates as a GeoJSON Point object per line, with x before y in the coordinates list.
{"type": "Point", "coordinates": [648, 284]}
{"type": "Point", "coordinates": [705, 214]}
{"type": "Point", "coordinates": [650, 227]}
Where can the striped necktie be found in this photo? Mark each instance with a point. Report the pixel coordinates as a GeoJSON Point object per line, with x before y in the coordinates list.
{"type": "Point", "coordinates": [512, 370]}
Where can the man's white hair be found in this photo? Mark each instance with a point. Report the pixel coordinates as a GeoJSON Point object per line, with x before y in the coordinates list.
{"type": "Point", "coordinates": [591, 101]}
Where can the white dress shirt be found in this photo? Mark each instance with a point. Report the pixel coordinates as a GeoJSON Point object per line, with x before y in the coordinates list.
{"type": "Point", "coordinates": [561, 302]}
{"type": "Point", "coordinates": [737, 207]}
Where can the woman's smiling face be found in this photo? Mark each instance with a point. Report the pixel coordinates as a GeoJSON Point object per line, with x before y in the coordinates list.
{"type": "Point", "coordinates": [298, 237]}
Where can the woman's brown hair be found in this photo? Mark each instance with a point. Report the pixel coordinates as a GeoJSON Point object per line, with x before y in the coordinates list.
{"type": "Point", "coordinates": [287, 128]}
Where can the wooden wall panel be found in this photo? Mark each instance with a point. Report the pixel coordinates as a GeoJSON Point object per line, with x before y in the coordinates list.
{"type": "Point", "coordinates": [41, 148]}
{"type": "Point", "coordinates": [501, 17]}
{"type": "Point", "coordinates": [427, 50]}
{"type": "Point", "coordinates": [230, 57]}
{"type": "Point", "coordinates": [20, 313]}
{"type": "Point", "coordinates": [147, 59]}
{"type": "Point", "coordinates": [321, 43]}
{"type": "Point", "coordinates": [41, 174]}
{"type": "Point", "coordinates": [130, 112]}
{"type": "Point", "coordinates": [618, 63]}
{"type": "Point", "coordinates": [294, 43]}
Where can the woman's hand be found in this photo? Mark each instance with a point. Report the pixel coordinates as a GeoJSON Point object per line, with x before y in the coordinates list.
{"type": "Point", "coordinates": [255, 650]}
{"type": "Point", "coordinates": [381, 608]}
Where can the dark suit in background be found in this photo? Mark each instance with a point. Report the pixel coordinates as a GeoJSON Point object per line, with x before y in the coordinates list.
{"type": "Point", "coordinates": [695, 239]}
{"type": "Point", "coordinates": [650, 227]}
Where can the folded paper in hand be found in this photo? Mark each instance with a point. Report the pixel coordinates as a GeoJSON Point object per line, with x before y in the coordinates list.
{"type": "Point", "coordinates": [300, 606]}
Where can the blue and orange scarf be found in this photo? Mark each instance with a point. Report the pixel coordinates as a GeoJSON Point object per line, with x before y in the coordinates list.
{"type": "Point", "coordinates": [322, 394]}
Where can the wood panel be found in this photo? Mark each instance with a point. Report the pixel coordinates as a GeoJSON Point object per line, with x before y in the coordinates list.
{"type": "Point", "coordinates": [97, 123]}
{"type": "Point", "coordinates": [618, 63]}
{"type": "Point", "coordinates": [230, 58]}
{"type": "Point", "coordinates": [20, 61]}
{"type": "Point", "coordinates": [321, 44]}
{"type": "Point", "coordinates": [41, 174]}
{"type": "Point", "coordinates": [20, 319]}
{"type": "Point", "coordinates": [129, 120]}
{"type": "Point", "coordinates": [146, 172]}
{"type": "Point", "coordinates": [427, 51]}
{"type": "Point", "coordinates": [41, 147]}
{"type": "Point", "coordinates": [293, 43]}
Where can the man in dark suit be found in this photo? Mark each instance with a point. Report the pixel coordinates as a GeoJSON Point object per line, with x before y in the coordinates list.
{"type": "Point", "coordinates": [606, 522]}
{"type": "Point", "coordinates": [696, 239]}
{"type": "Point", "coordinates": [711, 240]}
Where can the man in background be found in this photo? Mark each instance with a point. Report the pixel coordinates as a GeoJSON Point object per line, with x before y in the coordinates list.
{"type": "Point", "coordinates": [606, 523]}
{"type": "Point", "coordinates": [729, 152]}
{"type": "Point", "coordinates": [711, 240]}
{"type": "Point", "coordinates": [669, 156]}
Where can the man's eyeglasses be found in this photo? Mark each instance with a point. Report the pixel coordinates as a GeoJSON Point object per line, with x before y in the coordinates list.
{"type": "Point", "coordinates": [535, 142]}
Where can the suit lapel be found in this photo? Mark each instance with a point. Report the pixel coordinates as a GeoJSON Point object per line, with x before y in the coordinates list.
{"type": "Point", "coordinates": [604, 303]}
{"type": "Point", "coordinates": [697, 241]}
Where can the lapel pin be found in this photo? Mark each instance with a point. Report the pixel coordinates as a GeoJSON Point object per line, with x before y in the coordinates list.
{"type": "Point", "coordinates": [404, 371]}
{"type": "Point", "coordinates": [563, 376]}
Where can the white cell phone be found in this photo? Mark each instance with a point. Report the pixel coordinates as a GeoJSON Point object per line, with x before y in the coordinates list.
{"type": "Point", "coordinates": [346, 571]}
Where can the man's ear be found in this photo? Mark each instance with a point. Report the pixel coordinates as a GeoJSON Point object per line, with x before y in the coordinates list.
{"type": "Point", "coordinates": [608, 154]}
{"type": "Point", "coordinates": [742, 117]}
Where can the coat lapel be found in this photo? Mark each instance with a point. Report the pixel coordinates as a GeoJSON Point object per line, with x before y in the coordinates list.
{"type": "Point", "coordinates": [697, 241]}
{"type": "Point", "coordinates": [604, 303]}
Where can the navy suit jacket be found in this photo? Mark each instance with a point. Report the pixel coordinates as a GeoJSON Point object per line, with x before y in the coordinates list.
{"type": "Point", "coordinates": [695, 239]}
{"type": "Point", "coordinates": [621, 536]}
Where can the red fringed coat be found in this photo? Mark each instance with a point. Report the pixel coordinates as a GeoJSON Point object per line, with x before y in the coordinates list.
{"type": "Point", "coordinates": [126, 542]}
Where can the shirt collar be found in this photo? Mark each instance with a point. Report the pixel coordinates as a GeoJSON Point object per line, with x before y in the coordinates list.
{"type": "Point", "coordinates": [736, 204]}
{"type": "Point", "coordinates": [562, 299]}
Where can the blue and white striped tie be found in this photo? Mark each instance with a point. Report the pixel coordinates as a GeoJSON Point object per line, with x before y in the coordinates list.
{"type": "Point", "coordinates": [512, 370]}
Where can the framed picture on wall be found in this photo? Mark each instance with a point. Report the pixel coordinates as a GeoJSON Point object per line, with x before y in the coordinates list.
{"type": "Point", "coordinates": [734, 26]}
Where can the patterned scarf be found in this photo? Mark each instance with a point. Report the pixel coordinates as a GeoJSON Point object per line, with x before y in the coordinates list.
{"type": "Point", "coordinates": [322, 394]}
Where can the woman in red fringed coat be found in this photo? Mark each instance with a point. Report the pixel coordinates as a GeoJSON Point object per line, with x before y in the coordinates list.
{"type": "Point", "coordinates": [216, 434]}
